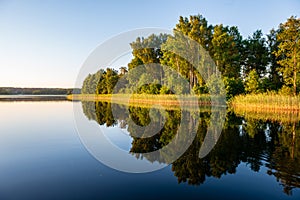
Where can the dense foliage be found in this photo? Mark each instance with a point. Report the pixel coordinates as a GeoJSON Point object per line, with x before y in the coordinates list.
{"type": "Point", "coordinates": [256, 64]}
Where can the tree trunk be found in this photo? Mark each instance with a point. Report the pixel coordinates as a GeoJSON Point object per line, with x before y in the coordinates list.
{"type": "Point", "coordinates": [195, 80]}
{"type": "Point", "coordinates": [295, 74]}
{"type": "Point", "coordinates": [295, 87]}
{"type": "Point", "coordinates": [191, 79]}
{"type": "Point", "coordinates": [293, 141]}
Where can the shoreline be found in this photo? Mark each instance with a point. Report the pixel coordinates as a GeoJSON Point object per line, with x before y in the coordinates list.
{"type": "Point", "coordinates": [266, 103]}
{"type": "Point", "coordinates": [172, 100]}
{"type": "Point", "coordinates": [260, 103]}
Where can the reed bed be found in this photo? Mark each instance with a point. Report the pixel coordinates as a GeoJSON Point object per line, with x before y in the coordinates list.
{"type": "Point", "coordinates": [144, 98]}
{"type": "Point", "coordinates": [148, 100]}
{"type": "Point", "coordinates": [266, 103]}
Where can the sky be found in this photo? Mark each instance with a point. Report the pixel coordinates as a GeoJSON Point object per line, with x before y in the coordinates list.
{"type": "Point", "coordinates": [45, 43]}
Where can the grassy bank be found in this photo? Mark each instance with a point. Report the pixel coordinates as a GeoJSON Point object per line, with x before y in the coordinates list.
{"type": "Point", "coordinates": [266, 103]}
{"type": "Point", "coordinates": [141, 99]}
{"type": "Point", "coordinates": [258, 103]}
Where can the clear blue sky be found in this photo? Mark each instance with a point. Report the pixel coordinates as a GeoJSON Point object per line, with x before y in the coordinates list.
{"type": "Point", "coordinates": [44, 43]}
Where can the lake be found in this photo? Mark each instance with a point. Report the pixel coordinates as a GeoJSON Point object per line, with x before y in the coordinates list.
{"type": "Point", "coordinates": [46, 153]}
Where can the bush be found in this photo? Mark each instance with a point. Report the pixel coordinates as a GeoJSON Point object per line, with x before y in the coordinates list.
{"type": "Point", "coordinates": [285, 90]}
{"type": "Point", "coordinates": [233, 87]}
{"type": "Point", "coordinates": [200, 89]}
{"type": "Point", "coordinates": [252, 84]}
{"type": "Point", "coordinates": [149, 89]}
{"type": "Point", "coordinates": [165, 90]}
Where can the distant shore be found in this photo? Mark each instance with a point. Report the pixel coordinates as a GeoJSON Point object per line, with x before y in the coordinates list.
{"type": "Point", "coordinates": [37, 91]}
{"type": "Point", "coordinates": [33, 98]}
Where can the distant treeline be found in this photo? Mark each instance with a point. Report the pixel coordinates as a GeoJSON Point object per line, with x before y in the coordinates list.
{"type": "Point", "coordinates": [37, 91]}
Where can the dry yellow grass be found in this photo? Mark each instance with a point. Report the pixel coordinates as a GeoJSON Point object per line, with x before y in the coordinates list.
{"type": "Point", "coordinates": [144, 98]}
{"type": "Point", "coordinates": [271, 107]}
{"type": "Point", "coordinates": [266, 103]}
{"type": "Point", "coordinates": [186, 102]}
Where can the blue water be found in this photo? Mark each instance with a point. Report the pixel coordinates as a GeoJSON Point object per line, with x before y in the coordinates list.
{"type": "Point", "coordinates": [42, 157]}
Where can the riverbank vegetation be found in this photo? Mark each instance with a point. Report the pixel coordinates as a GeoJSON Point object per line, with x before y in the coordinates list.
{"type": "Point", "coordinates": [148, 100]}
{"type": "Point", "coordinates": [258, 72]}
{"type": "Point", "coordinates": [266, 102]}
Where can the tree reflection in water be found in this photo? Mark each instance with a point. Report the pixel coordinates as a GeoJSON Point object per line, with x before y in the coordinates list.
{"type": "Point", "coordinates": [251, 139]}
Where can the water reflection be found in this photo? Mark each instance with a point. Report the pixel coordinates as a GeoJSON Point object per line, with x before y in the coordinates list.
{"type": "Point", "coordinates": [257, 141]}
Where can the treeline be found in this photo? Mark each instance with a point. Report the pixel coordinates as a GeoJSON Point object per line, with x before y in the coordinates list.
{"type": "Point", "coordinates": [256, 64]}
{"type": "Point", "coordinates": [37, 91]}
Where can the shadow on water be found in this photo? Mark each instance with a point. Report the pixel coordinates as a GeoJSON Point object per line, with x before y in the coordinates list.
{"type": "Point", "coordinates": [257, 141]}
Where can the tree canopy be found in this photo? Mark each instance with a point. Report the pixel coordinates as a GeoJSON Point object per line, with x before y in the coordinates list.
{"type": "Point", "coordinates": [258, 63]}
{"type": "Point", "coordinates": [288, 52]}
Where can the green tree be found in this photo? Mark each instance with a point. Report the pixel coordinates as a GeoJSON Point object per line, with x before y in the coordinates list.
{"type": "Point", "coordinates": [225, 52]}
{"type": "Point", "coordinates": [90, 83]}
{"type": "Point", "coordinates": [181, 65]}
{"type": "Point", "coordinates": [255, 55]}
{"type": "Point", "coordinates": [197, 29]}
{"type": "Point", "coordinates": [252, 84]}
{"type": "Point", "coordinates": [288, 51]}
{"type": "Point", "coordinates": [146, 54]}
{"type": "Point", "coordinates": [107, 81]}
{"type": "Point", "coordinates": [275, 77]}
{"type": "Point", "coordinates": [233, 86]}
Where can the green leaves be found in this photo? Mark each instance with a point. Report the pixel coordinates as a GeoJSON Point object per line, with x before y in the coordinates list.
{"type": "Point", "coordinates": [225, 51]}
{"type": "Point", "coordinates": [252, 82]}
{"type": "Point", "coordinates": [288, 51]}
{"type": "Point", "coordinates": [102, 82]}
{"type": "Point", "coordinates": [256, 64]}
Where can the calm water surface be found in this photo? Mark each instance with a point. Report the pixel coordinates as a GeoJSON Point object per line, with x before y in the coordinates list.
{"type": "Point", "coordinates": [42, 156]}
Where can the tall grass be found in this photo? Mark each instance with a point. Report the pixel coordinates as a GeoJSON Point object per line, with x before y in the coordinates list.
{"type": "Point", "coordinates": [143, 99]}
{"type": "Point", "coordinates": [266, 103]}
